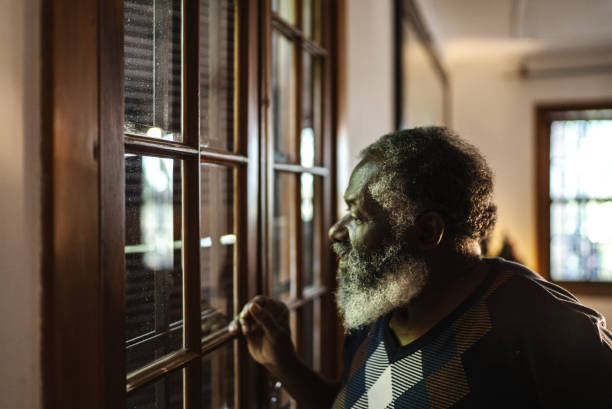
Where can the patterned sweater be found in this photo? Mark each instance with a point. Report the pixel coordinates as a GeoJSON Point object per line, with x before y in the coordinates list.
{"type": "Point", "coordinates": [517, 341]}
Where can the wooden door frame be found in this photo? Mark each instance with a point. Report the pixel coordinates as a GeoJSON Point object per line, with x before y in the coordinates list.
{"type": "Point", "coordinates": [83, 260]}
{"type": "Point", "coordinates": [336, 119]}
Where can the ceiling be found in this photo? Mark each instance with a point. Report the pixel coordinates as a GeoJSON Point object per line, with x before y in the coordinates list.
{"type": "Point", "coordinates": [468, 28]}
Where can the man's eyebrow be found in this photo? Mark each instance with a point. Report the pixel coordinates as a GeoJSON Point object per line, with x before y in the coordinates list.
{"type": "Point", "coordinates": [349, 200]}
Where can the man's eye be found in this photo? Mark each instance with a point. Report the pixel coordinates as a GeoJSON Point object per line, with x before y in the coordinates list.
{"type": "Point", "coordinates": [355, 218]}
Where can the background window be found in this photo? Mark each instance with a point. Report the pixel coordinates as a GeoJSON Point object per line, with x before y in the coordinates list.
{"type": "Point", "coordinates": [575, 194]}
{"type": "Point", "coordinates": [581, 200]}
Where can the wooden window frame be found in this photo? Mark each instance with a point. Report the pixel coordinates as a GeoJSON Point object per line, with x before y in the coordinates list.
{"type": "Point", "coordinates": [194, 155]}
{"type": "Point", "coordinates": [80, 168]}
{"type": "Point", "coordinates": [83, 179]}
{"type": "Point", "coordinates": [326, 170]}
{"type": "Point", "coordinates": [545, 113]}
{"type": "Point", "coordinates": [407, 10]}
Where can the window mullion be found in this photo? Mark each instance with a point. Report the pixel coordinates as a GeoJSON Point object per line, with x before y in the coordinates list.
{"type": "Point", "coordinates": [297, 282]}
{"type": "Point", "coordinates": [191, 201]}
{"type": "Point", "coordinates": [249, 182]}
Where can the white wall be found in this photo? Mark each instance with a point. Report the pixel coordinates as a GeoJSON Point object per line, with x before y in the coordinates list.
{"type": "Point", "coordinates": [20, 291]}
{"type": "Point", "coordinates": [368, 81]}
{"type": "Point", "coordinates": [494, 109]}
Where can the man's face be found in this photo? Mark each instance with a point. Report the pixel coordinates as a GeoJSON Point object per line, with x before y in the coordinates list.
{"type": "Point", "coordinates": [377, 271]}
{"type": "Point", "coordinates": [365, 226]}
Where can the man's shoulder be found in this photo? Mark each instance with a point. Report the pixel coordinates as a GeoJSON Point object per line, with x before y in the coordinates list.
{"type": "Point", "coordinates": [530, 295]}
{"type": "Point", "coordinates": [564, 343]}
{"type": "Point", "coordinates": [511, 277]}
{"type": "Point", "coordinates": [513, 270]}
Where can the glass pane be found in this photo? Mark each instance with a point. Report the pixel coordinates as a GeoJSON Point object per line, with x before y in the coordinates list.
{"type": "Point", "coordinates": [218, 378]}
{"type": "Point", "coordinates": [579, 157]}
{"type": "Point", "coordinates": [167, 393]}
{"type": "Point", "coordinates": [153, 68]}
{"type": "Point", "coordinates": [311, 331]}
{"type": "Point", "coordinates": [312, 231]}
{"type": "Point", "coordinates": [217, 244]}
{"type": "Point", "coordinates": [217, 73]}
{"type": "Point", "coordinates": [581, 241]}
{"type": "Point", "coordinates": [311, 128]}
{"type": "Point", "coordinates": [285, 9]}
{"type": "Point", "coordinates": [284, 234]}
{"type": "Point", "coordinates": [311, 19]}
{"type": "Point", "coordinates": [283, 99]}
{"type": "Point", "coordinates": [153, 251]}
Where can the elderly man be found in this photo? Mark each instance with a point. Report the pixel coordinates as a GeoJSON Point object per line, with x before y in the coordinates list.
{"type": "Point", "coordinates": [429, 322]}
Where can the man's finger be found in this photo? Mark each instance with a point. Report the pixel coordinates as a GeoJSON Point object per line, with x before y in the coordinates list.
{"type": "Point", "coordinates": [234, 326]}
{"type": "Point", "coordinates": [247, 323]}
{"type": "Point", "coordinates": [264, 319]}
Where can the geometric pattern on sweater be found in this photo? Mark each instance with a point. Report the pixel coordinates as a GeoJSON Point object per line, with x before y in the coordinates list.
{"type": "Point", "coordinates": [429, 377]}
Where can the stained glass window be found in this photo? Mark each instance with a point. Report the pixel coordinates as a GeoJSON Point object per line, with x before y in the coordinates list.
{"type": "Point", "coordinates": [581, 200]}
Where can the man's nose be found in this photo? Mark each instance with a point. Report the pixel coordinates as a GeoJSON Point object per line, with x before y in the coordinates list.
{"type": "Point", "coordinates": [338, 231]}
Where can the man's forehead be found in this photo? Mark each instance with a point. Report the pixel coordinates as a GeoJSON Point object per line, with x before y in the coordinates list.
{"type": "Point", "coordinates": [360, 177]}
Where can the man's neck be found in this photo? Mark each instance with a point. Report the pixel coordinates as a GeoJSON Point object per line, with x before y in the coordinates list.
{"type": "Point", "coordinates": [443, 294]}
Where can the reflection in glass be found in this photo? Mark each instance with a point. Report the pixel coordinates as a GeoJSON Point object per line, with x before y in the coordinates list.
{"type": "Point", "coordinates": [217, 73]}
{"type": "Point", "coordinates": [311, 330]}
{"type": "Point", "coordinates": [311, 129]}
{"type": "Point", "coordinates": [154, 295]}
{"type": "Point", "coordinates": [283, 235]}
{"type": "Point", "coordinates": [285, 9]}
{"type": "Point", "coordinates": [217, 244]}
{"type": "Point", "coordinates": [283, 104]}
{"type": "Point", "coordinates": [218, 378]}
{"type": "Point", "coordinates": [152, 56]}
{"type": "Point", "coordinates": [311, 19]}
{"type": "Point", "coordinates": [166, 393]}
{"type": "Point", "coordinates": [311, 228]}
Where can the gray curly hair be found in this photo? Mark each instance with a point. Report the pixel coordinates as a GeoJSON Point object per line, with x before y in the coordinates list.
{"type": "Point", "coordinates": [432, 169]}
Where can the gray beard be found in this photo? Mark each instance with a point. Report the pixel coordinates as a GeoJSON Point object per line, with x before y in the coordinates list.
{"type": "Point", "coordinates": [370, 287]}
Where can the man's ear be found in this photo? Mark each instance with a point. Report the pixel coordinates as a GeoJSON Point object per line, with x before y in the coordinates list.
{"type": "Point", "coordinates": [431, 230]}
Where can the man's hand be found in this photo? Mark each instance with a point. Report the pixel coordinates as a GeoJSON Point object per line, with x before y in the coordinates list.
{"type": "Point", "coordinates": [265, 324]}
